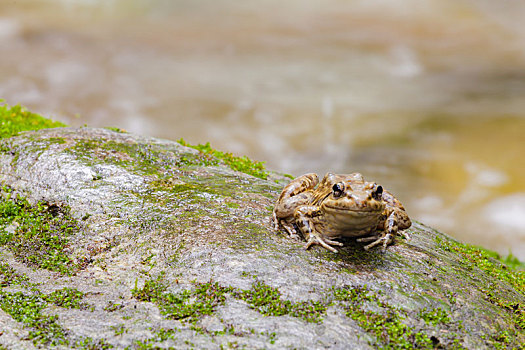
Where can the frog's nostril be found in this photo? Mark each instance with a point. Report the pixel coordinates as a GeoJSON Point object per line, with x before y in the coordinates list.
{"type": "Point", "coordinates": [358, 201]}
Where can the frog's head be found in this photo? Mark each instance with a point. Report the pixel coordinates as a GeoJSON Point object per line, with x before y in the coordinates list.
{"type": "Point", "coordinates": [355, 196]}
{"type": "Point", "coordinates": [352, 200]}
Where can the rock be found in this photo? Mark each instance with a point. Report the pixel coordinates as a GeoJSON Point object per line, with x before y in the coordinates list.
{"type": "Point", "coordinates": [128, 241]}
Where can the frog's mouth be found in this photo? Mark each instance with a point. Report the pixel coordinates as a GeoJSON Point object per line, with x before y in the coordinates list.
{"type": "Point", "coordinates": [352, 211]}
{"type": "Point", "coordinates": [350, 219]}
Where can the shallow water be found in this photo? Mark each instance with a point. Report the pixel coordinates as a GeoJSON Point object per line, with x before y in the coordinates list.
{"type": "Point", "coordinates": [425, 97]}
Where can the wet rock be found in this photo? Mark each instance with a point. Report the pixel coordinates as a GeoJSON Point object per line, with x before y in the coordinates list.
{"type": "Point", "coordinates": [157, 244]}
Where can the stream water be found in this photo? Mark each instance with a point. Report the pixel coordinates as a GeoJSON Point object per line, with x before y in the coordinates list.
{"type": "Point", "coordinates": [426, 97]}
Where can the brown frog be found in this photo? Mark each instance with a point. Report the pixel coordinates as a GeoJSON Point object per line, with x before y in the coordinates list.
{"type": "Point", "coordinates": [340, 206]}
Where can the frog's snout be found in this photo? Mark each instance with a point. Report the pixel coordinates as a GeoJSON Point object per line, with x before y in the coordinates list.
{"type": "Point", "coordinates": [358, 200]}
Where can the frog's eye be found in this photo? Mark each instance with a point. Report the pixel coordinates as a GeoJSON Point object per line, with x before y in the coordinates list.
{"type": "Point", "coordinates": [338, 189]}
{"type": "Point", "coordinates": [378, 192]}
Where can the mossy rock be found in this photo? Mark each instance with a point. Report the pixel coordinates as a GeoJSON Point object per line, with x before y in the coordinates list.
{"type": "Point", "coordinates": [109, 239]}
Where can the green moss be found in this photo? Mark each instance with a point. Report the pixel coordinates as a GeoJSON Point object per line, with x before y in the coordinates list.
{"type": "Point", "coordinates": [248, 236]}
{"type": "Point", "coordinates": [384, 322]}
{"type": "Point", "coordinates": [189, 305]}
{"type": "Point", "coordinates": [152, 291]}
{"type": "Point", "coordinates": [202, 159]}
{"type": "Point", "coordinates": [160, 336]}
{"type": "Point", "coordinates": [229, 186]}
{"type": "Point", "coordinates": [27, 309]}
{"type": "Point", "coordinates": [16, 119]}
{"type": "Point", "coordinates": [512, 307]}
{"type": "Point", "coordinates": [116, 129]}
{"type": "Point", "coordinates": [56, 140]}
{"type": "Point", "coordinates": [512, 261]}
{"type": "Point", "coordinates": [267, 300]}
{"type": "Point", "coordinates": [271, 336]}
{"type": "Point", "coordinates": [492, 288]}
{"type": "Point", "coordinates": [502, 340]}
{"type": "Point", "coordinates": [172, 185]}
{"type": "Point", "coordinates": [88, 343]}
{"type": "Point", "coordinates": [143, 158]}
{"type": "Point", "coordinates": [10, 276]}
{"type": "Point", "coordinates": [486, 261]}
{"type": "Point", "coordinates": [242, 164]}
{"type": "Point", "coordinates": [69, 298]}
{"type": "Point", "coordinates": [38, 234]}
{"type": "Point", "coordinates": [112, 306]}
{"type": "Point", "coordinates": [435, 316]}
{"type": "Point", "coordinates": [205, 298]}
{"type": "Point", "coordinates": [165, 334]}
{"type": "Point", "coordinates": [160, 165]}
{"type": "Point", "coordinates": [385, 325]}
{"type": "Point", "coordinates": [509, 260]}
{"type": "Point", "coordinates": [119, 329]}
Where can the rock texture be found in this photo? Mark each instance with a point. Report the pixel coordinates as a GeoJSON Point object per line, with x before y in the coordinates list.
{"type": "Point", "coordinates": [166, 250]}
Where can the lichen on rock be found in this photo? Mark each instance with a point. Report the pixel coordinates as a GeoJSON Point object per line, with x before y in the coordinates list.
{"type": "Point", "coordinates": [164, 245]}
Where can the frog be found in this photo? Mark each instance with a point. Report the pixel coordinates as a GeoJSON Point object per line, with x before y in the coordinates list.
{"type": "Point", "coordinates": [340, 206]}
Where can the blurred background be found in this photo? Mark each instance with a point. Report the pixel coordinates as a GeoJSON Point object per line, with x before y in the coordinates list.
{"type": "Point", "coordinates": [426, 97]}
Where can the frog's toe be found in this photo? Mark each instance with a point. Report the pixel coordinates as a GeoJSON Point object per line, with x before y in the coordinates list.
{"type": "Point", "coordinates": [384, 240]}
{"type": "Point", "coordinates": [324, 242]}
{"type": "Point", "coordinates": [406, 235]}
{"type": "Point", "coordinates": [367, 239]}
{"type": "Point", "coordinates": [275, 224]}
{"type": "Point", "coordinates": [291, 230]}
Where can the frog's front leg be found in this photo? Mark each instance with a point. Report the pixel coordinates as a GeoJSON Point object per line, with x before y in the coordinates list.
{"type": "Point", "coordinates": [396, 218]}
{"type": "Point", "coordinates": [304, 220]}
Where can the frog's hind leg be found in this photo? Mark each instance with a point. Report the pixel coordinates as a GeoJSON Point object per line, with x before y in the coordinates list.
{"type": "Point", "coordinates": [283, 213]}
{"type": "Point", "coordinates": [299, 185]}
{"type": "Point", "coordinates": [293, 195]}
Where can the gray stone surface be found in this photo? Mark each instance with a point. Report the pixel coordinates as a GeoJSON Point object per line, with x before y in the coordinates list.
{"type": "Point", "coordinates": [148, 208]}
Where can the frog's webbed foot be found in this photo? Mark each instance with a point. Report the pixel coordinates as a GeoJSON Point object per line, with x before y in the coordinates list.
{"type": "Point", "coordinates": [291, 230]}
{"type": "Point", "coordinates": [316, 239]}
{"type": "Point", "coordinates": [384, 240]}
